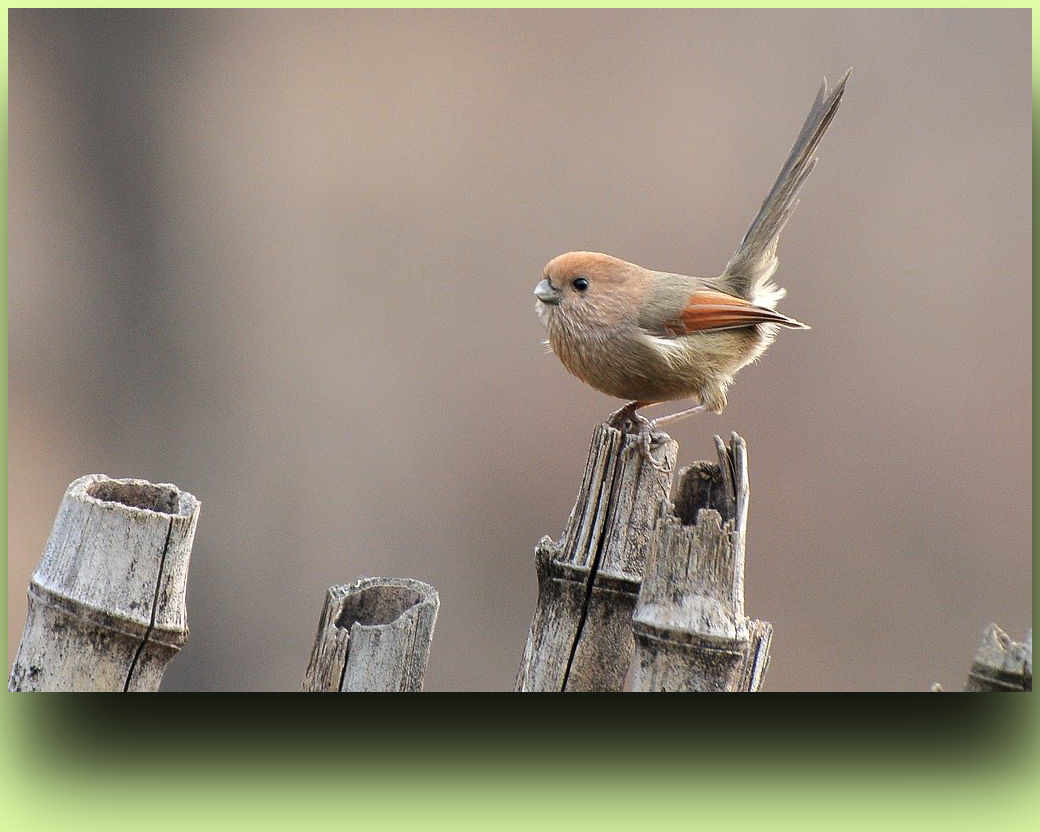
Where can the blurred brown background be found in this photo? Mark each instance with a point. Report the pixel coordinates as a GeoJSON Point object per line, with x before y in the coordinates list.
{"type": "Point", "coordinates": [285, 261]}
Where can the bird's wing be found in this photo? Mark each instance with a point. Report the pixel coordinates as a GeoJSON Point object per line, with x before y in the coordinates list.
{"type": "Point", "coordinates": [754, 262]}
{"type": "Point", "coordinates": [707, 309]}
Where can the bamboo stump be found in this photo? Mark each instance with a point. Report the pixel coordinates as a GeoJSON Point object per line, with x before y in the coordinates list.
{"type": "Point", "coordinates": [374, 635]}
{"type": "Point", "coordinates": [1000, 664]}
{"type": "Point", "coordinates": [690, 627]}
{"type": "Point", "coordinates": [581, 633]}
{"type": "Point", "coordinates": [106, 602]}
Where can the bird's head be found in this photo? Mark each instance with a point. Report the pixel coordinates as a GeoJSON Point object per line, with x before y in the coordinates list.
{"type": "Point", "coordinates": [589, 286]}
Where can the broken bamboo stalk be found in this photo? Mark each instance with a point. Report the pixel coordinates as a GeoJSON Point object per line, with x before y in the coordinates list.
{"type": "Point", "coordinates": [581, 632]}
{"type": "Point", "coordinates": [1000, 664]}
{"type": "Point", "coordinates": [106, 602]}
{"type": "Point", "coordinates": [373, 635]}
{"type": "Point", "coordinates": [690, 627]}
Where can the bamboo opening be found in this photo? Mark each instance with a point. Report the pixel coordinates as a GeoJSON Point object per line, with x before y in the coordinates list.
{"type": "Point", "coordinates": [377, 605]}
{"type": "Point", "coordinates": [136, 494]}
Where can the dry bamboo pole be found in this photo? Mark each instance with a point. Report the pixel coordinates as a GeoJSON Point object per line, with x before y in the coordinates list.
{"type": "Point", "coordinates": [373, 635]}
{"type": "Point", "coordinates": [581, 633]}
{"type": "Point", "coordinates": [691, 631]}
{"type": "Point", "coordinates": [106, 602]}
{"type": "Point", "coordinates": [1000, 664]}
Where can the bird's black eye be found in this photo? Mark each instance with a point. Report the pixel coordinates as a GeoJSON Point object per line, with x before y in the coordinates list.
{"type": "Point", "coordinates": [580, 283]}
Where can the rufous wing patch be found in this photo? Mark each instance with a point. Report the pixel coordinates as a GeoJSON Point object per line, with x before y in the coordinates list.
{"type": "Point", "coordinates": [707, 310]}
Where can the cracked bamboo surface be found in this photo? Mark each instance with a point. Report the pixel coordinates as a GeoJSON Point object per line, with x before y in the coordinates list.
{"type": "Point", "coordinates": [691, 630]}
{"type": "Point", "coordinates": [373, 635]}
{"type": "Point", "coordinates": [581, 633]}
{"type": "Point", "coordinates": [106, 602]}
{"type": "Point", "coordinates": [1000, 664]}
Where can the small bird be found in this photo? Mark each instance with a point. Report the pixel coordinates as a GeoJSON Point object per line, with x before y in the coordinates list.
{"type": "Point", "coordinates": [651, 336]}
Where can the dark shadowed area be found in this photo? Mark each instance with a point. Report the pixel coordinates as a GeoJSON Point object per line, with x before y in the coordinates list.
{"type": "Point", "coordinates": [284, 260]}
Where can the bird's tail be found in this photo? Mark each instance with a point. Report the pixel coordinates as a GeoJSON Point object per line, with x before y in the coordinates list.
{"type": "Point", "coordinates": [750, 270]}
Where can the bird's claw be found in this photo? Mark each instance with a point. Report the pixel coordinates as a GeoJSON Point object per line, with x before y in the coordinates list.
{"type": "Point", "coordinates": [627, 420]}
{"type": "Point", "coordinates": [624, 418]}
{"type": "Point", "coordinates": [648, 435]}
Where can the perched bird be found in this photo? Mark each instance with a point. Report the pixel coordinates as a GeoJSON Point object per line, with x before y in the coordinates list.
{"type": "Point", "coordinates": [652, 336]}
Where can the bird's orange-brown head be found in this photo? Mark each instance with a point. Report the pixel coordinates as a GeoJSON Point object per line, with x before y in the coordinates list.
{"type": "Point", "coordinates": [589, 286]}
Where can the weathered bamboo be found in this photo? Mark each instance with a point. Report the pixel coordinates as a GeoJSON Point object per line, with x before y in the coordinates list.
{"type": "Point", "coordinates": [1000, 664]}
{"type": "Point", "coordinates": [374, 635]}
{"type": "Point", "coordinates": [581, 633]}
{"type": "Point", "coordinates": [106, 602]}
{"type": "Point", "coordinates": [690, 627]}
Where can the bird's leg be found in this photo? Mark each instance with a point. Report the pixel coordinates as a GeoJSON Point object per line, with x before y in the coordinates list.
{"type": "Point", "coordinates": [682, 414]}
{"type": "Point", "coordinates": [648, 430]}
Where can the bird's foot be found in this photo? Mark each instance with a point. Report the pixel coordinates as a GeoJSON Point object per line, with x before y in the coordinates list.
{"type": "Point", "coordinates": [648, 435]}
{"type": "Point", "coordinates": [625, 418]}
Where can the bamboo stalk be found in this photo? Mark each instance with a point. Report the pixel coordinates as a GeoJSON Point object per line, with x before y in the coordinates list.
{"type": "Point", "coordinates": [1000, 664]}
{"type": "Point", "coordinates": [690, 627]}
{"type": "Point", "coordinates": [581, 632]}
{"type": "Point", "coordinates": [373, 635]}
{"type": "Point", "coordinates": [106, 602]}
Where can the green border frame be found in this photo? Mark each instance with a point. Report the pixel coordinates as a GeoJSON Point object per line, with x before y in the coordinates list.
{"type": "Point", "coordinates": [475, 762]}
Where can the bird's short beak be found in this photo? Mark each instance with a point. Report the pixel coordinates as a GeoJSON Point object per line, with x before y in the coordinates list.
{"type": "Point", "coordinates": [547, 293]}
